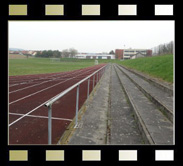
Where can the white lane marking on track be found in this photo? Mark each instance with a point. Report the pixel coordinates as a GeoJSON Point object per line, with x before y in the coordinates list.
{"type": "Point", "coordinates": [48, 77]}
{"type": "Point", "coordinates": [26, 114]}
{"type": "Point", "coordinates": [40, 78]}
{"type": "Point", "coordinates": [32, 110]}
{"type": "Point", "coordinates": [37, 92]}
{"type": "Point", "coordinates": [44, 89]}
{"type": "Point", "coordinates": [38, 116]}
{"type": "Point", "coordinates": [55, 79]}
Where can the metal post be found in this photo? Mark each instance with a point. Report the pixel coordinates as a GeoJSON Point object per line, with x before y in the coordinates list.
{"type": "Point", "coordinates": [49, 125]}
{"type": "Point", "coordinates": [97, 76]}
{"type": "Point", "coordinates": [88, 88]}
{"type": "Point", "coordinates": [77, 104]}
{"type": "Point", "coordinates": [93, 80]}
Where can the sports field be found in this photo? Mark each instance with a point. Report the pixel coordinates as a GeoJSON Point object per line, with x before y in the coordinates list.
{"type": "Point", "coordinates": [45, 65]}
{"type": "Point", "coordinates": [157, 66]}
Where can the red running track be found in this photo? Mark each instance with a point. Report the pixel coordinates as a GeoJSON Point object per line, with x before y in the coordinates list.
{"type": "Point", "coordinates": [28, 117]}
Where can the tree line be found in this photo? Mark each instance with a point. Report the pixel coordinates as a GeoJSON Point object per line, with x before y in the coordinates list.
{"type": "Point", "coordinates": [162, 49]}
{"type": "Point", "coordinates": [48, 54]}
{"type": "Point", "coordinates": [66, 53]}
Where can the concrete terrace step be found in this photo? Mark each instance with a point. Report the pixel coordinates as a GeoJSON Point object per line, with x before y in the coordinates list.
{"type": "Point", "coordinates": [122, 125]}
{"type": "Point", "coordinates": [156, 127]}
{"type": "Point", "coordinates": [162, 99]}
{"type": "Point", "coordinates": [165, 86]}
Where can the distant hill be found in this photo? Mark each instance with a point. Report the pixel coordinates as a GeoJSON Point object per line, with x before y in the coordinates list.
{"type": "Point", "coordinates": [16, 49]}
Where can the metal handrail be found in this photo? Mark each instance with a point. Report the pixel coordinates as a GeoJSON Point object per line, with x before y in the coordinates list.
{"type": "Point", "coordinates": [50, 102]}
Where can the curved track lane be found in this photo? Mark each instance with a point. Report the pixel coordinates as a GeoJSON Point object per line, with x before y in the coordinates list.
{"type": "Point", "coordinates": [28, 118]}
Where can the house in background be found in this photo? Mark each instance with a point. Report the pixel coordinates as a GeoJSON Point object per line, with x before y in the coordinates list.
{"type": "Point", "coordinates": [132, 53]}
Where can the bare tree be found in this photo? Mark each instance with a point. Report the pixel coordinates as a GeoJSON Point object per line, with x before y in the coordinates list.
{"type": "Point", "coordinates": [65, 53]}
{"type": "Point", "coordinates": [162, 49]}
{"type": "Point", "coordinates": [73, 52]}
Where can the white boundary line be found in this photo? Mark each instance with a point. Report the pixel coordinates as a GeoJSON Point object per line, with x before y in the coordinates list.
{"type": "Point", "coordinates": [45, 89]}
{"type": "Point", "coordinates": [53, 79]}
{"type": "Point", "coordinates": [26, 114]}
{"type": "Point", "coordinates": [32, 110]}
{"type": "Point", "coordinates": [45, 117]}
{"type": "Point", "coordinates": [28, 80]}
{"type": "Point", "coordinates": [48, 77]}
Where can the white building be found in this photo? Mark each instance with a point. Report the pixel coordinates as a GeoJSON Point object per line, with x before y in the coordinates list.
{"type": "Point", "coordinates": [94, 56]}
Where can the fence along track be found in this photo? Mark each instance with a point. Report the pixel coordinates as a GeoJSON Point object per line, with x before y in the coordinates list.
{"type": "Point", "coordinates": [98, 74]}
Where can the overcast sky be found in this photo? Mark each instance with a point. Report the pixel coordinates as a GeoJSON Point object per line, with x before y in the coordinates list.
{"type": "Point", "coordinates": [89, 36]}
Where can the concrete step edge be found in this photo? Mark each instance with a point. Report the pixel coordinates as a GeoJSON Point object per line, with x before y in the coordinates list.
{"type": "Point", "coordinates": [150, 80]}
{"type": "Point", "coordinates": [142, 127]}
{"type": "Point", "coordinates": [168, 113]}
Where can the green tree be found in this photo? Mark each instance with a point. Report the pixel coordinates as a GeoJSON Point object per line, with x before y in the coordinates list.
{"type": "Point", "coordinates": [111, 52]}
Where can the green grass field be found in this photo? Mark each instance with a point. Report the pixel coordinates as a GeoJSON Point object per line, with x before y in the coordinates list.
{"type": "Point", "coordinates": [157, 66]}
{"type": "Point", "coordinates": [44, 65]}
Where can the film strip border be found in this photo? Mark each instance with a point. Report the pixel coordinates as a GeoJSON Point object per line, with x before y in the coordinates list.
{"type": "Point", "coordinates": [90, 10]}
{"type": "Point", "coordinates": [90, 155]}
{"type": "Point", "coordinates": [96, 9]}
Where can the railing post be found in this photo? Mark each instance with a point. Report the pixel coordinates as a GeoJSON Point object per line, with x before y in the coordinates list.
{"type": "Point", "coordinates": [93, 80]}
{"type": "Point", "coordinates": [77, 105]}
{"type": "Point", "coordinates": [50, 124]}
{"type": "Point", "coordinates": [97, 76]}
{"type": "Point", "coordinates": [88, 92]}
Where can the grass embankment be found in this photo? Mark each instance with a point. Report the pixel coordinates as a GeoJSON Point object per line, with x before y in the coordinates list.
{"type": "Point", "coordinates": [157, 66]}
{"type": "Point", "coordinates": [45, 65]}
